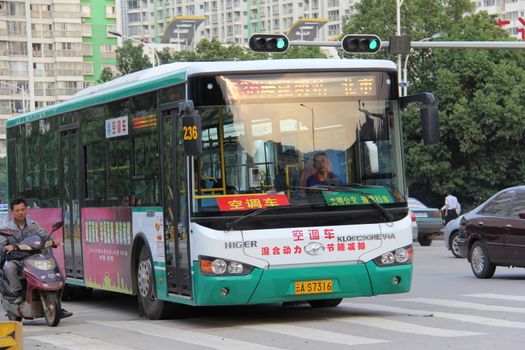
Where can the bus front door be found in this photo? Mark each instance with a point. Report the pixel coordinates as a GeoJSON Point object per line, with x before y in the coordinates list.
{"type": "Point", "coordinates": [174, 202]}
{"type": "Point", "coordinates": [70, 202]}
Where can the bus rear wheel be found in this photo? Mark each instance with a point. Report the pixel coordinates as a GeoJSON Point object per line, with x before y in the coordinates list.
{"type": "Point", "coordinates": [325, 302]}
{"type": "Point", "coordinates": [149, 305]}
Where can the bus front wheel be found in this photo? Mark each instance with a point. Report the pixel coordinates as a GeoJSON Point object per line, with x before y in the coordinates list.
{"type": "Point", "coordinates": [149, 305]}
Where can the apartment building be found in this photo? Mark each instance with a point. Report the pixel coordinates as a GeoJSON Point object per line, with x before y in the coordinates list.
{"type": "Point", "coordinates": [509, 13]}
{"type": "Point", "coordinates": [49, 50]}
{"type": "Point", "coordinates": [230, 21]}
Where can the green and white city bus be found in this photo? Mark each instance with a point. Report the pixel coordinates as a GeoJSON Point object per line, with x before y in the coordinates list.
{"type": "Point", "coordinates": [195, 183]}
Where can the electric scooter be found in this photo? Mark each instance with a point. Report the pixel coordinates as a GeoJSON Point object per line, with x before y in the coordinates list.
{"type": "Point", "coordinates": [43, 281]}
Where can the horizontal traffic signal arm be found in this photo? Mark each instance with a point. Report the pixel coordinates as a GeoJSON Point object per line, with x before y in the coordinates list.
{"type": "Point", "coordinates": [419, 45]}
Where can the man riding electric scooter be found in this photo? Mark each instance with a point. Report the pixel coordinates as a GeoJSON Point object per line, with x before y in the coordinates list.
{"type": "Point", "coordinates": [22, 227]}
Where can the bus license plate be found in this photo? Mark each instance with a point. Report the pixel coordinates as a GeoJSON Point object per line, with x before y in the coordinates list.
{"type": "Point", "coordinates": [314, 287]}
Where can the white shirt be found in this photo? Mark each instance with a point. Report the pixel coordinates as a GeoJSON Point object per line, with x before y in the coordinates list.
{"type": "Point", "coordinates": [451, 202]}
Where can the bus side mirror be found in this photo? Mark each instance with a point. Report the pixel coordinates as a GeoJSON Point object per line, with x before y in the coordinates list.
{"type": "Point", "coordinates": [191, 130]}
{"type": "Point", "coordinates": [429, 115]}
{"type": "Point", "coordinates": [430, 124]}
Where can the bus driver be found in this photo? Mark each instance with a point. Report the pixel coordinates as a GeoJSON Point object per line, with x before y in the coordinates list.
{"type": "Point", "coordinates": [323, 174]}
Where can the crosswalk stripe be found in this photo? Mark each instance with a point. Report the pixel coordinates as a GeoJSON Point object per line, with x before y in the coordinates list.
{"type": "Point", "coordinates": [314, 334]}
{"type": "Point", "coordinates": [466, 305]}
{"type": "Point", "coordinates": [405, 327]}
{"type": "Point", "coordinates": [486, 321]}
{"type": "Point", "coordinates": [76, 342]}
{"type": "Point", "coordinates": [196, 338]}
{"type": "Point", "coordinates": [497, 296]}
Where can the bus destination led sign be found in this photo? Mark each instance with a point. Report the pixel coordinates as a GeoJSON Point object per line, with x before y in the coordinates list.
{"type": "Point", "coordinates": [240, 88]}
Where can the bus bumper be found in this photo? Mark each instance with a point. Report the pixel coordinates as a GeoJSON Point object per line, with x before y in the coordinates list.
{"type": "Point", "coordinates": [278, 285]}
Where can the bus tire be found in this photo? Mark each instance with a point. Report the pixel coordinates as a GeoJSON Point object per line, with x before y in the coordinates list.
{"type": "Point", "coordinates": [149, 305]}
{"type": "Point", "coordinates": [325, 302]}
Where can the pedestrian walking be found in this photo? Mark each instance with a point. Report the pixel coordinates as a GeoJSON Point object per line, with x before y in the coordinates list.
{"type": "Point", "coordinates": [452, 208]}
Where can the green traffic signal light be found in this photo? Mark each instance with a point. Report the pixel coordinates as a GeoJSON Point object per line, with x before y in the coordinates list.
{"type": "Point", "coordinates": [269, 43]}
{"type": "Point", "coordinates": [361, 43]}
{"type": "Point", "coordinates": [281, 43]}
{"type": "Point", "coordinates": [373, 45]}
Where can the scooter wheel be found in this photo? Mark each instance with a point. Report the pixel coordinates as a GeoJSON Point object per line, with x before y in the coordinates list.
{"type": "Point", "coordinates": [52, 308]}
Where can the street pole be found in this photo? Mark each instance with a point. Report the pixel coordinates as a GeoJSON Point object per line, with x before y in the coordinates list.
{"type": "Point", "coordinates": [405, 78]}
{"type": "Point", "coordinates": [398, 31]}
{"type": "Point", "coordinates": [156, 59]}
{"type": "Point", "coordinates": [405, 66]}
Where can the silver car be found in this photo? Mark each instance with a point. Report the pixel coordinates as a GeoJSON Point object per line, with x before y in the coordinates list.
{"type": "Point", "coordinates": [450, 236]}
{"type": "Point", "coordinates": [451, 231]}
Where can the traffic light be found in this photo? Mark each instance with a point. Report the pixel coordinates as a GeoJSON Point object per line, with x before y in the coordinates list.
{"type": "Point", "coordinates": [361, 43]}
{"type": "Point", "coordinates": [269, 43]}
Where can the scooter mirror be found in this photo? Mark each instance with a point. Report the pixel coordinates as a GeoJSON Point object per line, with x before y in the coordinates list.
{"type": "Point", "coordinates": [57, 225]}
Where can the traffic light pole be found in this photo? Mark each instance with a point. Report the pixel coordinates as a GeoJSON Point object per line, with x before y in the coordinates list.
{"type": "Point", "coordinates": [418, 45]}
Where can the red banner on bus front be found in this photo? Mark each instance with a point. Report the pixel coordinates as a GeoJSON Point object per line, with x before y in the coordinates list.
{"type": "Point", "coordinates": [248, 202]}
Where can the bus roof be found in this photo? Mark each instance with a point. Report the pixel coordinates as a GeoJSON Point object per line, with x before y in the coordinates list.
{"type": "Point", "coordinates": [175, 73]}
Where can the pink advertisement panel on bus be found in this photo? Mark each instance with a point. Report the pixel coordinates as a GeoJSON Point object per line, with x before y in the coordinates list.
{"type": "Point", "coordinates": [46, 217]}
{"type": "Point", "coordinates": [106, 242]}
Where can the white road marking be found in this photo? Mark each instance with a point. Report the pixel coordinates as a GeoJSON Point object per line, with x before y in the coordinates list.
{"type": "Point", "coordinates": [76, 342]}
{"type": "Point", "coordinates": [314, 334]}
{"type": "Point", "coordinates": [195, 338]}
{"type": "Point", "coordinates": [466, 305]}
{"type": "Point", "coordinates": [486, 321]}
{"type": "Point", "coordinates": [405, 327]}
{"type": "Point", "coordinates": [498, 296]}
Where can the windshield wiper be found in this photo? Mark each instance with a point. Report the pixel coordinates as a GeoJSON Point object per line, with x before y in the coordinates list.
{"type": "Point", "coordinates": [230, 225]}
{"type": "Point", "coordinates": [388, 216]}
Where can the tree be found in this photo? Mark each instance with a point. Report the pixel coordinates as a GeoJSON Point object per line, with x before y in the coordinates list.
{"type": "Point", "coordinates": [131, 58]}
{"type": "Point", "coordinates": [479, 95]}
{"type": "Point", "coordinates": [105, 75]}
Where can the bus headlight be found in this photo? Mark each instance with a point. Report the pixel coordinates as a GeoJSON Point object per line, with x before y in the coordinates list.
{"type": "Point", "coordinates": [395, 257]}
{"type": "Point", "coordinates": [235, 267]}
{"type": "Point", "coordinates": [218, 266]}
{"type": "Point", "coordinates": [211, 266]}
{"type": "Point", "coordinates": [401, 255]}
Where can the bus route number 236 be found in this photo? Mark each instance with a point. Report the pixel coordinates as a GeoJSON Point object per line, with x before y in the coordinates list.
{"type": "Point", "coordinates": [189, 133]}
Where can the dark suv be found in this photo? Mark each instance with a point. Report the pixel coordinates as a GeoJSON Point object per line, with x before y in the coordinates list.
{"type": "Point", "coordinates": [496, 235]}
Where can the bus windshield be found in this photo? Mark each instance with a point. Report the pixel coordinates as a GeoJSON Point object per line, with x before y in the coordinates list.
{"type": "Point", "coordinates": [273, 137]}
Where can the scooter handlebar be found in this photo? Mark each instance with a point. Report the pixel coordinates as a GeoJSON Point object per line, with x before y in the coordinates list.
{"type": "Point", "coordinates": [50, 244]}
